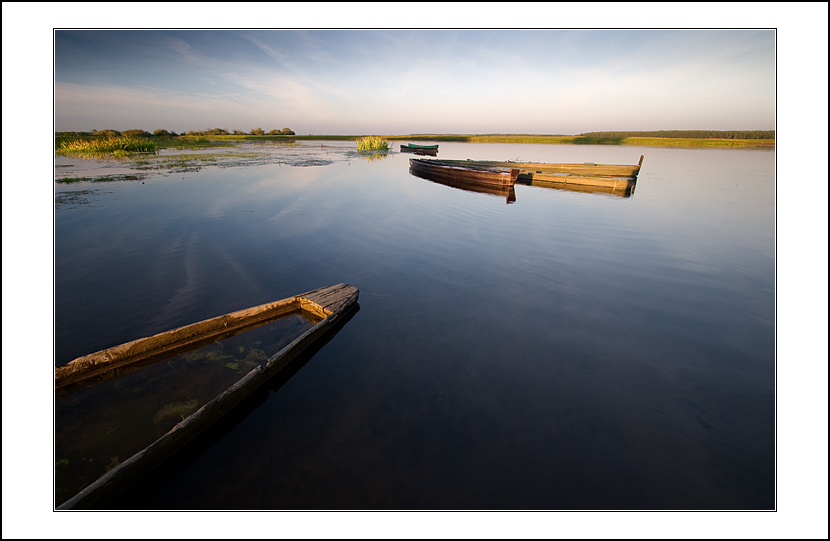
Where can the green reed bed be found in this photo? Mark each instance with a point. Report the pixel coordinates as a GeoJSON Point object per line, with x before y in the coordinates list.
{"type": "Point", "coordinates": [589, 140]}
{"type": "Point", "coordinates": [115, 145]}
{"type": "Point", "coordinates": [372, 143]}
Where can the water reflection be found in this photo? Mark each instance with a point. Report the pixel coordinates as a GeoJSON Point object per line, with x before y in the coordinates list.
{"type": "Point", "coordinates": [621, 188]}
{"type": "Point", "coordinates": [502, 191]}
{"type": "Point", "coordinates": [372, 155]}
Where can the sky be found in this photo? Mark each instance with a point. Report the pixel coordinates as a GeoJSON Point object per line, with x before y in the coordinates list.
{"type": "Point", "coordinates": [415, 81]}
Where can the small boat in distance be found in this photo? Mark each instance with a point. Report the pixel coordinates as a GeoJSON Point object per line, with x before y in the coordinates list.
{"type": "Point", "coordinates": [411, 146]}
{"type": "Point", "coordinates": [468, 172]}
{"type": "Point", "coordinates": [421, 150]}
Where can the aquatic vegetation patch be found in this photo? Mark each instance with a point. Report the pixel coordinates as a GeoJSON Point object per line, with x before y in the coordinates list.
{"type": "Point", "coordinates": [192, 162]}
{"type": "Point", "coordinates": [71, 180]}
{"type": "Point", "coordinates": [311, 162]}
{"type": "Point", "coordinates": [119, 146]}
{"type": "Point", "coordinates": [372, 143]}
{"type": "Point", "coordinates": [113, 462]}
{"type": "Point", "coordinates": [102, 178]}
{"type": "Point", "coordinates": [176, 410]}
{"type": "Point", "coordinates": [69, 199]}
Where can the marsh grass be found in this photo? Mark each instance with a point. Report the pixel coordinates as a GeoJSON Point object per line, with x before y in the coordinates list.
{"type": "Point", "coordinates": [103, 178]}
{"type": "Point", "coordinates": [372, 143]}
{"type": "Point", "coordinates": [185, 142]}
{"type": "Point", "coordinates": [587, 140]}
{"type": "Point", "coordinates": [115, 145]}
{"type": "Point", "coordinates": [174, 161]}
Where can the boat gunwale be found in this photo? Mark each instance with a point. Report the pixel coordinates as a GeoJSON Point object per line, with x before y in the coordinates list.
{"type": "Point", "coordinates": [413, 146]}
{"type": "Point", "coordinates": [501, 174]}
{"type": "Point", "coordinates": [334, 302]}
{"type": "Point", "coordinates": [528, 170]}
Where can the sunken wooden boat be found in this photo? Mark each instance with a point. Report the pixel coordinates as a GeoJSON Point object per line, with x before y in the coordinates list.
{"type": "Point", "coordinates": [470, 172]}
{"type": "Point", "coordinates": [618, 187]}
{"type": "Point", "coordinates": [615, 177]}
{"type": "Point", "coordinates": [325, 309]}
{"type": "Point", "coordinates": [508, 192]}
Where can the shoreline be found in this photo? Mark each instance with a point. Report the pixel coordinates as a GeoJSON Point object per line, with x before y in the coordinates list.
{"type": "Point", "coordinates": [518, 139]}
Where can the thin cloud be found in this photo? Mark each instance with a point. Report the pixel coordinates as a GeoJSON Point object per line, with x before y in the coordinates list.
{"type": "Point", "coordinates": [405, 81]}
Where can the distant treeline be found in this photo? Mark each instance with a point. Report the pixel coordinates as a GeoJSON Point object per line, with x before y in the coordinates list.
{"type": "Point", "coordinates": [165, 133]}
{"type": "Point", "coordinates": [684, 134]}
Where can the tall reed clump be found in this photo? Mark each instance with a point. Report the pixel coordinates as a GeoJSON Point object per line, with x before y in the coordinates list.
{"type": "Point", "coordinates": [372, 143]}
{"type": "Point", "coordinates": [114, 145]}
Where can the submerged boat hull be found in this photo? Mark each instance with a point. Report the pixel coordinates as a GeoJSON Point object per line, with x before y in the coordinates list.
{"type": "Point", "coordinates": [587, 174]}
{"type": "Point", "coordinates": [471, 174]}
{"type": "Point", "coordinates": [508, 192]}
{"type": "Point", "coordinates": [328, 307]}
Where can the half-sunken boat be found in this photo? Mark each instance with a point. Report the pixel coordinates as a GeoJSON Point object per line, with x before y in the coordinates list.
{"type": "Point", "coordinates": [469, 172]}
{"type": "Point", "coordinates": [508, 192]}
{"type": "Point", "coordinates": [611, 176]}
{"type": "Point", "coordinates": [196, 349]}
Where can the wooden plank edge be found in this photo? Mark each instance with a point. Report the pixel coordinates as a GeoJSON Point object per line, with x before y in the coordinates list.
{"type": "Point", "coordinates": [128, 472]}
{"type": "Point", "coordinates": [325, 301]}
{"type": "Point", "coordinates": [583, 181]}
{"type": "Point", "coordinates": [141, 348]}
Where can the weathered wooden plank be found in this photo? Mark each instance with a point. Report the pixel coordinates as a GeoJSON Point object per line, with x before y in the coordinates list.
{"type": "Point", "coordinates": [117, 370]}
{"type": "Point", "coordinates": [330, 299]}
{"type": "Point", "coordinates": [611, 182]}
{"type": "Point", "coordinates": [580, 169]}
{"type": "Point", "coordinates": [622, 189]}
{"type": "Point", "coordinates": [318, 303]}
{"type": "Point", "coordinates": [142, 348]}
{"type": "Point", "coordinates": [342, 298]}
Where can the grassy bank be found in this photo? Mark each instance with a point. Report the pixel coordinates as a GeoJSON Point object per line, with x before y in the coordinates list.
{"type": "Point", "coordinates": [526, 139]}
{"type": "Point", "coordinates": [80, 145]}
{"type": "Point", "coordinates": [124, 146]}
{"type": "Point", "coordinates": [582, 140]}
{"type": "Point", "coordinates": [116, 145]}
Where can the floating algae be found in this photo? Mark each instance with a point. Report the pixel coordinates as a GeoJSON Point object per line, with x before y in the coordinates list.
{"type": "Point", "coordinates": [113, 463]}
{"type": "Point", "coordinates": [176, 409]}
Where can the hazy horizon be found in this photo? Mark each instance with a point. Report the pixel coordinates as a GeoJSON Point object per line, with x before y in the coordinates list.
{"type": "Point", "coordinates": [348, 82]}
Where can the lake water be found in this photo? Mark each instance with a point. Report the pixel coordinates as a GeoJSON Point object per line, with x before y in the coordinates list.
{"type": "Point", "coordinates": [565, 351]}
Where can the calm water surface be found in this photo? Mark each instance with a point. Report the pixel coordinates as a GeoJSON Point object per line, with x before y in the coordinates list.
{"type": "Point", "coordinates": [565, 351]}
